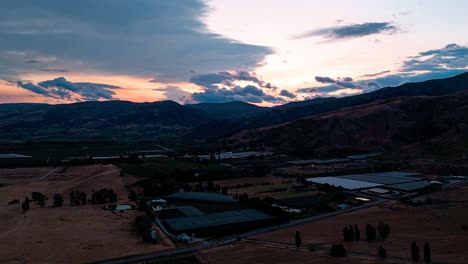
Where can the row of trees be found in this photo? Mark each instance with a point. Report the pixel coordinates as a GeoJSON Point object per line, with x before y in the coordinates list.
{"type": "Point", "coordinates": [40, 200]}
{"type": "Point", "coordinates": [353, 233]}
{"type": "Point", "coordinates": [338, 250]}
{"type": "Point", "coordinates": [76, 198]}
{"type": "Point", "coordinates": [415, 252]}
{"type": "Point", "coordinates": [104, 196]}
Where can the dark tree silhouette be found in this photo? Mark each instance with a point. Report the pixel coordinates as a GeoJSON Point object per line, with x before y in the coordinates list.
{"type": "Point", "coordinates": [351, 233]}
{"type": "Point", "coordinates": [370, 232]}
{"type": "Point", "coordinates": [41, 201]}
{"type": "Point", "coordinates": [337, 250]}
{"type": "Point", "coordinates": [414, 252]}
{"type": "Point", "coordinates": [58, 200]}
{"type": "Point", "coordinates": [25, 204]}
{"type": "Point", "coordinates": [345, 233]}
{"type": "Point", "coordinates": [298, 239]}
{"type": "Point", "coordinates": [357, 233]}
{"type": "Point", "coordinates": [382, 252]}
{"type": "Point", "coordinates": [384, 230]}
{"type": "Point", "coordinates": [427, 253]}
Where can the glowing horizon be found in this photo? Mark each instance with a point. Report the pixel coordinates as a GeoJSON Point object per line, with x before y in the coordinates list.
{"type": "Point", "coordinates": [194, 51]}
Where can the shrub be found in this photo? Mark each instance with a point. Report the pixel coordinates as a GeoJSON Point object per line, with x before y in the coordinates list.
{"type": "Point", "coordinates": [384, 230]}
{"type": "Point", "coordinates": [370, 232]}
{"type": "Point", "coordinates": [415, 252]}
{"type": "Point", "coordinates": [337, 250]}
{"type": "Point", "coordinates": [382, 252]}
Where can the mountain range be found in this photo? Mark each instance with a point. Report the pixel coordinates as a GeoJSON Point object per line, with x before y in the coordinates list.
{"type": "Point", "coordinates": [388, 118]}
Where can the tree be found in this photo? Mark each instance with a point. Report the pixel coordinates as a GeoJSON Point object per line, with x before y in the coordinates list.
{"type": "Point", "coordinates": [25, 204]}
{"type": "Point", "coordinates": [415, 252]}
{"type": "Point", "coordinates": [345, 233]}
{"type": "Point", "coordinates": [357, 233]}
{"type": "Point", "coordinates": [384, 230]}
{"type": "Point", "coordinates": [41, 201]}
{"type": "Point", "coordinates": [382, 252]}
{"type": "Point", "coordinates": [338, 250]}
{"type": "Point", "coordinates": [351, 233]}
{"type": "Point", "coordinates": [298, 239]}
{"type": "Point", "coordinates": [58, 200]}
{"type": "Point", "coordinates": [370, 232]}
{"type": "Point", "coordinates": [427, 253]}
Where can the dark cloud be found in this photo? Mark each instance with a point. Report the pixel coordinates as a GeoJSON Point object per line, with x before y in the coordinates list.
{"type": "Point", "coordinates": [160, 39]}
{"type": "Point", "coordinates": [32, 61]}
{"type": "Point", "coordinates": [54, 70]}
{"type": "Point", "coordinates": [432, 64]}
{"type": "Point", "coordinates": [249, 93]}
{"type": "Point", "coordinates": [222, 87]}
{"type": "Point", "coordinates": [174, 93]}
{"type": "Point", "coordinates": [213, 80]}
{"type": "Point", "coordinates": [60, 88]}
{"type": "Point", "coordinates": [376, 74]}
{"type": "Point", "coordinates": [451, 56]}
{"type": "Point", "coordinates": [321, 79]}
{"type": "Point", "coordinates": [348, 84]}
{"type": "Point", "coordinates": [287, 94]}
{"type": "Point", "coordinates": [352, 31]}
{"type": "Point", "coordinates": [346, 79]}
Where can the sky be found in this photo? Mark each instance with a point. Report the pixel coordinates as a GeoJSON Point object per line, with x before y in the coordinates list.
{"type": "Point", "coordinates": [266, 52]}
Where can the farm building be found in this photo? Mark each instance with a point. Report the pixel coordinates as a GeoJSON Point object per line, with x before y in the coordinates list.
{"type": "Point", "coordinates": [316, 162]}
{"type": "Point", "coordinates": [376, 183]}
{"type": "Point", "coordinates": [201, 196]}
{"type": "Point", "coordinates": [13, 156]}
{"type": "Point", "coordinates": [218, 223]}
{"type": "Point", "coordinates": [363, 156]}
{"type": "Point", "coordinates": [381, 178]}
{"type": "Point", "coordinates": [411, 186]}
{"type": "Point", "coordinates": [347, 184]}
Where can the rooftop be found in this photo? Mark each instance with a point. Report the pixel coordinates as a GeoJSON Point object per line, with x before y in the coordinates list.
{"type": "Point", "coordinates": [204, 196]}
{"type": "Point", "coordinates": [216, 219]}
{"type": "Point", "coordinates": [317, 161]}
{"type": "Point", "coordinates": [344, 183]}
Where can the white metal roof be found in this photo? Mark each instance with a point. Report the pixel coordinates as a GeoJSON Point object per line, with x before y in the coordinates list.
{"type": "Point", "coordinates": [344, 183]}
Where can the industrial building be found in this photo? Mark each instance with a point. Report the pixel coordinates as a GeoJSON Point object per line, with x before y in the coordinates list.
{"type": "Point", "coordinates": [200, 196]}
{"type": "Point", "coordinates": [217, 223]}
{"type": "Point", "coordinates": [377, 183]}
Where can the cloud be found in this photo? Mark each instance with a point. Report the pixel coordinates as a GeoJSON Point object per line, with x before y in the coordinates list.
{"type": "Point", "coordinates": [432, 64]}
{"type": "Point", "coordinates": [213, 80]}
{"type": "Point", "coordinates": [375, 74]}
{"type": "Point", "coordinates": [233, 86]}
{"type": "Point", "coordinates": [287, 94]}
{"type": "Point", "coordinates": [54, 70]}
{"type": "Point", "coordinates": [164, 40]}
{"type": "Point", "coordinates": [345, 84]}
{"type": "Point", "coordinates": [175, 93]}
{"type": "Point", "coordinates": [452, 56]}
{"type": "Point", "coordinates": [60, 88]}
{"type": "Point", "coordinates": [352, 31]}
{"type": "Point", "coordinates": [321, 79]}
{"type": "Point", "coordinates": [249, 93]}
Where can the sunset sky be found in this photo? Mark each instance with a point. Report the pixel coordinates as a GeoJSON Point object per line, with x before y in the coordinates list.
{"type": "Point", "coordinates": [265, 52]}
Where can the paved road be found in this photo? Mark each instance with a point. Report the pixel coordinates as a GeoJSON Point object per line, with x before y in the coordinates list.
{"type": "Point", "coordinates": [326, 248]}
{"type": "Point", "coordinates": [233, 238]}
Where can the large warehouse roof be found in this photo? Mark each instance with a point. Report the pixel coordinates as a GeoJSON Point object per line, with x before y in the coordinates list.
{"type": "Point", "coordinates": [375, 178]}
{"type": "Point", "coordinates": [216, 219]}
{"type": "Point", "coordinates": [204, 196]}
{"type": "Point", "coordinates": [344, 183]}
{"type": "Point", "coordinates": [410, 186]}
{"type": "Point", "coordinates": [317, 161]}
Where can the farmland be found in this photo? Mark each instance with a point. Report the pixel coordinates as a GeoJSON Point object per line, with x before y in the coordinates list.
{"type": "Point", "coordinates": [68, 234]}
